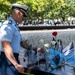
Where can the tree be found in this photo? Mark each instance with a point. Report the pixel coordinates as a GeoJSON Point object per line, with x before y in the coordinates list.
{"type": "Point", "coordinates": [41, 9]}
{"type": "Point", "coordinates": [5, 6]}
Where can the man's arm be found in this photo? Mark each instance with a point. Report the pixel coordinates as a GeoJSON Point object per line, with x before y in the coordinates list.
{"type": "Point", "coordinates": [9, 54]}
{"type": "Point", "coordinates": [25, 44]}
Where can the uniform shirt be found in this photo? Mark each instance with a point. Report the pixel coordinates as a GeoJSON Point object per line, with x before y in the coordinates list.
{"type": "Point", "coordinates": [10, 32]}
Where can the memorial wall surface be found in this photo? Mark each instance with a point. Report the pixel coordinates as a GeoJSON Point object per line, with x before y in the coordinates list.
{"type": "Point", "coordinates": [67, 36]}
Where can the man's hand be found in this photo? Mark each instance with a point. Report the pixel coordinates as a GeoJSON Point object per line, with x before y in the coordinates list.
{"type": "Point", "coordinates": [24, 44]}
{"type": "Point", "coordinates": [20, 68]}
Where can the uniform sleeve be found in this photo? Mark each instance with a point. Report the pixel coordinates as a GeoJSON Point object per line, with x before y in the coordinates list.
{"type": "Point", "coordinates": [6, 34]}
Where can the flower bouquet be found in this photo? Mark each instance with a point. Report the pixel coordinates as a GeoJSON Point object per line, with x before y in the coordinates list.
{"type": "Point", "coordinates": [56, 48]}
{"type": "Point", "coordinates": [56, 43]}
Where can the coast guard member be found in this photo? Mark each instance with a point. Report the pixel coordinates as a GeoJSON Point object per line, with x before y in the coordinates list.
{"type": "Point", "coordinates": [11, 40]}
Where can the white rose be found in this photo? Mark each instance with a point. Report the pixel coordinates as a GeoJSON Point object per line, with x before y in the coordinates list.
{"type": "Point", "coordinates": [53, 42]}
{"type": "Point", "coordinates": [41, 41]}
{"type": "Point", "coordinates": [46, 45]}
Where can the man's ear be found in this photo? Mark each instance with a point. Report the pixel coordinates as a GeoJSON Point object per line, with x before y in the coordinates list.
{"type": "Point", "coordinates": [19, 13]}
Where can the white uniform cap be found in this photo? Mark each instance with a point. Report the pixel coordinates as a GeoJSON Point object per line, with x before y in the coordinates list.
{"type": "Point", "coordinates": [23, 8]}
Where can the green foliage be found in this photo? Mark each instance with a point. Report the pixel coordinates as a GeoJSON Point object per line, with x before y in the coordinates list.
{"type": "Point", "coordinates": [42, 8]}
{"type": "Point", "coordinates": [2, 16]}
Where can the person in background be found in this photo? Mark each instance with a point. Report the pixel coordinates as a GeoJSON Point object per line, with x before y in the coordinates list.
{"type": "Point", "coordinates": [11, 39]}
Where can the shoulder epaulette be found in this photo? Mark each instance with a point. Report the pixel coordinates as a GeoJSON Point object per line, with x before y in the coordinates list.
{"type": "Point", "coordinates": [7, 22]}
